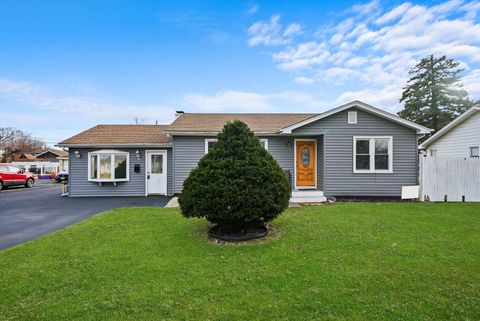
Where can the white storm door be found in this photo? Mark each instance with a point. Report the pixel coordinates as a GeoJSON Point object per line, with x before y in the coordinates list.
{"type": "Point", "coordinates": [157, 173]}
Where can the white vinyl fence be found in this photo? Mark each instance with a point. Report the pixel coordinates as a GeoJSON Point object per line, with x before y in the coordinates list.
{"type": "Point", "coordinates": [451, 179]}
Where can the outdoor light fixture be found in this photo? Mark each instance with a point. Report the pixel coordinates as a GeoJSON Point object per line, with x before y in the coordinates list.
{"type": "Point", "coordinates": [77, 154]}
{"type": "Point", "coordinates": [138, 154]}
{"type": "Point", "coordinates": [289, 143]}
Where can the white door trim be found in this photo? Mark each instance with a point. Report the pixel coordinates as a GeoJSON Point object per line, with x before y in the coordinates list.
{"type": "Point", "coordinates": [295, 163]}
{"type": "Point", "coordinates": [147, 155]}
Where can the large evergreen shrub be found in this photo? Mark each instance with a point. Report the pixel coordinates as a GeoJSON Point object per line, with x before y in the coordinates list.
{"type": "Point", "coordinates": [238, 183]}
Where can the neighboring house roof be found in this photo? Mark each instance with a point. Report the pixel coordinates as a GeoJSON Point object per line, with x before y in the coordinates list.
{"type": "Point", "coordinates": [124, 135]}
{"type": "Point", "coordinates": [213, 123]}
{"type": "Point", "coordinates": [358, 104]}
{"type": "Point", "coordinates": [24, 156]}
{"type": "Point", "coordinates": [57, 152]}
{"type": "Point", "coordinates": [457, 121]}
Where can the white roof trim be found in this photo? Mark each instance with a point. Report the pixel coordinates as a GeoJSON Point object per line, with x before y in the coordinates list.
{"type": "Point", "coordinates": [450, 126]}
{"type": "Point", "coordinates": [123, 145]}
{"type": "Point", "coordinates": [420, 129]}
{"type": "Point", "coordinates": [209, 133]}
{"type": "Point", "coordinates": [46, 151]}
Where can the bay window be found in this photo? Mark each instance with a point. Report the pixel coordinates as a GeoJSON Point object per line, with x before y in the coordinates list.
{"type": "Point", "coordinates": [108, 166]}
{"type": "Point", "coordinates": [372, 154]}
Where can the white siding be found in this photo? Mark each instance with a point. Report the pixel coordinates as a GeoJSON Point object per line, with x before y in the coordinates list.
{"type": "Point", "coordinates": [457, 141]}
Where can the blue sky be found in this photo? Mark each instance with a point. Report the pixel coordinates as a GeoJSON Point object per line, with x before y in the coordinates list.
{"type": "Point", "coordinates": [65, 68]}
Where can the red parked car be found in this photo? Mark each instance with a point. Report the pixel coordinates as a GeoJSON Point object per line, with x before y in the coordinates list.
{"type": "Point", "coordinates": [11, 175]}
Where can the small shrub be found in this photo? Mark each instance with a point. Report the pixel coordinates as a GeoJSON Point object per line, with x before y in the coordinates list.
{"type": "Point", "coordinates": [238, 183]}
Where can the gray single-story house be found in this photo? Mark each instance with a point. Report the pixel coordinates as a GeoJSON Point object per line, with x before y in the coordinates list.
{"type": "Point", "coordinates": [352, 150]}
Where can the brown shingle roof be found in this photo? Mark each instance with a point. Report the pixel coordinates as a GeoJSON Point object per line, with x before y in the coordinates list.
{"type": "Point", "coordinates": [57, 152]}
{"type": "Point", "coordinates": [120, 134]}
{"type": "Point", "coordinates": [260, 123]}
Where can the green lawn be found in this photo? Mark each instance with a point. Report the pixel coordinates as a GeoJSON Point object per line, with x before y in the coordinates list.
{"type": "Point", "coordinates": [348, 261]}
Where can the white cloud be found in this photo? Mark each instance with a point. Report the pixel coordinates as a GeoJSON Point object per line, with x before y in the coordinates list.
{"type": "Point", "coordinates": [270, 33]}
{"type": "Point", "coordinates": [472, 83]}
{"type": "Point", "coordinates": [394, 13]}
{"type": "Point", "coordinates": [374, 47]}
{"type": "Point", "coordinates": [94, 107]}
{"type": "Point", "coordinates": [302, 56]}
{"type": "Point", "coordinates": [229, 99]}
{"type": "Point", "coordinates": [304, 80]}
{"type": "Point", "coordinates": [292, 29]}
{"type": "Point", "coordinates": [385, 97]}
{"type": "Point", "coordinates": [248, 102]}
{"type": "Point", "coordinates": [252, 9]}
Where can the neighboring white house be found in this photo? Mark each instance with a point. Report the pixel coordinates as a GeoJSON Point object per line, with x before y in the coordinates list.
{"type": "Point", "coordinates": [460, 138]}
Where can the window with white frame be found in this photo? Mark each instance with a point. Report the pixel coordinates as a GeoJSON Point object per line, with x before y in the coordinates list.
{"type": "Point", "coordinates": [264, 143]}
{"type": "Point", "coordinates": [372, 154]}
{"type": "Point", "coordinates": [352, 117]}
{"type": "Point", "coordinates": [108, 166]}
{"type": "Point", "coordinates": [210, 143]}
{"type": "Point", "coordinates": [474, 151]}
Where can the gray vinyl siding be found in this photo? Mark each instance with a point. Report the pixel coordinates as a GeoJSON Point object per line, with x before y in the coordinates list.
{"type": "Point", "coordinates": [188, 150]}
{"type": "Point", "coordinates": [79, 186]}
{"type": "Point", "coordinates": [338, 134]}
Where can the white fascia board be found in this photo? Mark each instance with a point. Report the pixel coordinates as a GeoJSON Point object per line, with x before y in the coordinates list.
{"type": "Point", "coordinates": [420, 129]}
{"type": "Point", "coordinates": [179, 133]}
{"type": "Point", "coordinates": [114, 145]}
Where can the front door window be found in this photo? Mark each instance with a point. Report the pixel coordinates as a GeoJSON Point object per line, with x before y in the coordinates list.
{"type": "Point", "coordinates": [305, 156]}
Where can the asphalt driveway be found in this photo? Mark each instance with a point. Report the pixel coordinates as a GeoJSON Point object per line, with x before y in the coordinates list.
{"type": "Point", "coordinates": [29, 213]}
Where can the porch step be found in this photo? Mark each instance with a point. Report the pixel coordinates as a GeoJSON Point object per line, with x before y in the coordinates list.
{"type": "Point", "coordinates": [306, 196]}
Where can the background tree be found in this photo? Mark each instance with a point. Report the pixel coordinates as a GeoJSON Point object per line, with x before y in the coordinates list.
{"type": "Point", "coordinates": [138, 121]}
{"type": "Point", "coordinates": [14, 142]}
{"type": "Point", "coordinates": [434, 95]}
{"type": "Point", "coordinates": [238, 184]}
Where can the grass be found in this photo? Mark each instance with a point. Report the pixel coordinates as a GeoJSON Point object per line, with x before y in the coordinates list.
{"type": "Point", "coordinates": [349, 261]}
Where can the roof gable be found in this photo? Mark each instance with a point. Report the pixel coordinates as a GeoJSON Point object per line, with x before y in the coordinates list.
{"type": "Point", "coordinates": [358, 104]}
{"type": "Point", "coordinates": [457, 121]}
{"type": "Point", "coordinates": [53, 152]}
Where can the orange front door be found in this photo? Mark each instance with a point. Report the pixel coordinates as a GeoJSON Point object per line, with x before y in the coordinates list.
{"type": "Point", "coordinates": [306, 163]}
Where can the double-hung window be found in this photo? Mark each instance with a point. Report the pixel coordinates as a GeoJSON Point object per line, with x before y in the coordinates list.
{"type": "Point", "coordinates": [210, 143]}
{"type": "Point", "coordinates": [372, 154]}
{"type": "Point", "coordinates": [108, 166]}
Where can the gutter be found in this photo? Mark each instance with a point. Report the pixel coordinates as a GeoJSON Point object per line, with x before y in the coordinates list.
{"type": "Point", "coordinates": [210, 133]}
{"type": "Point", "coordinates": [114, 145]}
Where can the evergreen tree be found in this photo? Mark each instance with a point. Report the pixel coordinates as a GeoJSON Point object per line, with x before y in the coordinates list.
{"type": "Point", "coordinates": [237, 184]}
{"type": "Point", "coordinates": [434, 95]}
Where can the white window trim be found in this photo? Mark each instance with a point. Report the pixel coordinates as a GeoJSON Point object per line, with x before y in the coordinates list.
{"type": "Point", "coordinates": [208, 140]}
{"type": "Point", "coordinates": [112, 166]}
{"type": "Point", "coordinates": [372, 154]}
{"type": "Point", "coordinates": [298, 187]}
{"type": "Point", "coordinates": [352, 122]}
{"type": "Point", "coordinates": [148, 153]}
{"type": "Point", "coordinates": [265, 140]}
{"type": "Point", "coordinates": [216, 140]}
{"type": "Point", "coordinates": [470, 148]}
